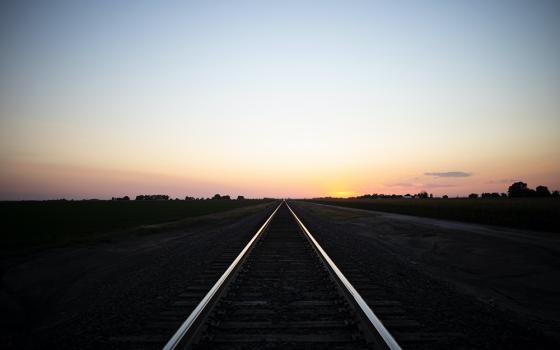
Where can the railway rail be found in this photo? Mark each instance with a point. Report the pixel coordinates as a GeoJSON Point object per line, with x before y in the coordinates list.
{"type": "Point", "coordinates": [282, 291]}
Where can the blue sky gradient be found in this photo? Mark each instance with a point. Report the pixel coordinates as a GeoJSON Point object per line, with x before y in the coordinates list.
{"type": "Point", "coordinates": [278, 98]}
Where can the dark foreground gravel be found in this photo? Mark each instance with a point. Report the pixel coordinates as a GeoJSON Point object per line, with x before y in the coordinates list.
{"type": "Point", "coordinates": [95, 295]}
{"type": "Point", "coordinates": [460, 320]}
{"type": "Point", "coordinates": [82, 297]}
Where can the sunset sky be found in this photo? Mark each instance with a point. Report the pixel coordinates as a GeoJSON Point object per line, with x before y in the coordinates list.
{"type": "Point", "coordinates": [287, 99]}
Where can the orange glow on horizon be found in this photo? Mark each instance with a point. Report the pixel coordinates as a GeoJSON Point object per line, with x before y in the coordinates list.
{"type": "Point", "coordinates": [343, 194]}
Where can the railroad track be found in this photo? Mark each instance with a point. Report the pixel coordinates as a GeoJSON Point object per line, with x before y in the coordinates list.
{"type": "Point", "coordinates": [282, 291]}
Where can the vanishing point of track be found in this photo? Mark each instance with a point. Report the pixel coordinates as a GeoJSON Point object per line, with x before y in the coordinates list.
{"type": "Point", "coordinates": [282, 291]}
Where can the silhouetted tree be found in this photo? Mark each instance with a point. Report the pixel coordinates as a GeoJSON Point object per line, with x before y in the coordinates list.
{"type": "Point", "coordinates": [473, 195]}
{"type": "Point", "coordinates": [217, 196]}
{"type": "Point", "coordinates": [542, 191]}
{"type": "Point", "coordinates": [422, 194]}
{"type": "Point", "coordinates": [445, 196]}
{"type": "Point", "coordinates": [519, 189]}
{"type": "Point", "coordinates": [152, 197]}
{"type": "Point", "coordinates": [226, 197]}
{"type": "Point", "coordinates": [555, 193]}
{"type": "Point", "coordinates": [240, 198]}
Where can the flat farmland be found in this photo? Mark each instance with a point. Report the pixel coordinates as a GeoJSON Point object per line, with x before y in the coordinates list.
{"type": "Point", "coordinates": [29, 224]}
{"type": "Point", "coordinates": [525, 213]}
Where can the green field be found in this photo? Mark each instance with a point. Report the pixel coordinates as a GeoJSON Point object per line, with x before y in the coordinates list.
{"type": "Point", "coordinates": [32, 223]}
{"type": "Point", "coordinates": [526, 213]}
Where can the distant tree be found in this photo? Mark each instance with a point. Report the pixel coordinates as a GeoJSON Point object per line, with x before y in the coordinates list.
{"type": "Point", "coordinates": [473, 195]}
{"type": "Point", "coordinates": [519, 189]}
{"type": "Point", "coordinates": [226, 197]}
{"type": "Point", "coordinates": [445, 196]}
{"type": "Point", "coordinates": [240, 198]}
{"type": "Point", "coordinates": [422, 194]}
{"type": "Point", "coordinates": [542, 191]}
{"type": "Point", "coordinates": [431, 195]}
{"type": "Point", "coordinates": [152, 197]}
{"type": "Point", "coordinates": [503, 195]}
{"type": "Point", "coordinates": [555, 193]}
{"type": "Point", "coordinates": [490, 195]}
{"type": "Point", "coordinates": [187, 198]}
{"type": "Point", "coordinates": [217, 196]}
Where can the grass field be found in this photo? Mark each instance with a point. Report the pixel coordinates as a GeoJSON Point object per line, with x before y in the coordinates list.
{"type": "Point", "coordinates": [32, 223]}
{"type": "Point", "coordinates": [527, 213]}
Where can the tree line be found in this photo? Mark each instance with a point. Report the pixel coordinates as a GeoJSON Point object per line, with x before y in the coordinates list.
{"type": "Point", "coordinates": [164, 197]}
{"type": "Point", "coordinates": [520, 190]}
{"type": "Point", "coordinates": [516, 190]}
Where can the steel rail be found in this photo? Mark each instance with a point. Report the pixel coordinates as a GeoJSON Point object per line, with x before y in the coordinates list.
{"type": "Point", "coordinates": [186, 326]}
{"type": "Point", "coordinates": [375, 321]}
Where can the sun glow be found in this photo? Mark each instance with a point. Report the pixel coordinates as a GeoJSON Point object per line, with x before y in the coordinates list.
{"type": "Point", "coordinates": [343, 194]}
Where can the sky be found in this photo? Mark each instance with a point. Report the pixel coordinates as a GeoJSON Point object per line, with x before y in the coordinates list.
{"type": "Point", "coordinates": [277, 98]}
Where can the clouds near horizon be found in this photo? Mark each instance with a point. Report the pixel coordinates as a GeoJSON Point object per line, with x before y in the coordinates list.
{"type": "Point", "coordinates": [449, 174]}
